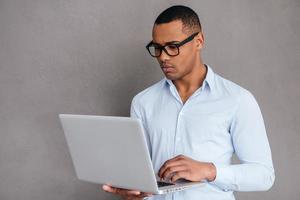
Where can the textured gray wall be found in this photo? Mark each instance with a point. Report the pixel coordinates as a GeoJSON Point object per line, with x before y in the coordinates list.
{"type": "Point", "coordinates": [88, 57]}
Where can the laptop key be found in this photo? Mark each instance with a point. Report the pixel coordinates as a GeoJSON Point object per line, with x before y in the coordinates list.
{"type": "Point", "coordinates": [162, 184]}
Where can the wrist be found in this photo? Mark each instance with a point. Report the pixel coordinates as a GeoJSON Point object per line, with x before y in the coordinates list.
{"type": "Point", "coordinates": [212, 172]}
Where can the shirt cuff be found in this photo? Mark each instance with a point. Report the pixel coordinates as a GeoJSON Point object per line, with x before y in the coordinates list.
{"type": "Point", "coordinates": [224, 177]}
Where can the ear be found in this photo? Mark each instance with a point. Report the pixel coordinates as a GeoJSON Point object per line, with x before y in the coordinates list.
{"type": "Point", "coordinates": [200, 41]}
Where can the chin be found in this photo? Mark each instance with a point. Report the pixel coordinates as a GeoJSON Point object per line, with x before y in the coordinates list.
{"type": "Point", "coordinates": [171, 77]}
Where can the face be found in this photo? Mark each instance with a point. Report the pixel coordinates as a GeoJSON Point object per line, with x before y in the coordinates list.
{"type": "Point", "coordinates": [182, 65]}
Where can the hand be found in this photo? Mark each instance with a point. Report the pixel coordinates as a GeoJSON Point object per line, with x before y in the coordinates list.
{"type": "Point", "coordinates": [126, 194]}
{"type": "Point", "coordinates": [187, 168]}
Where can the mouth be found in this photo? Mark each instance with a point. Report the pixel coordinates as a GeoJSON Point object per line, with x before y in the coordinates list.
{"type": "Point", "coordinates": [166, 65]}
{"type": "Point", "coordinates": [167, 69]}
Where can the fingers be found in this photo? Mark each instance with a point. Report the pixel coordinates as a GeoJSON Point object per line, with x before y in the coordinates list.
{"type": "Point", "coordinates": [137, 197]}
{"type": "Point", "coordinates": [179, 175]}
{"type": "Point", "coordinates": [170, 171]}
{"type": "Point", "coordinates": [126, 194]}
{"type": "Point", "coordinates": [119, 191]}
{"type": "Point", "coordinates": [178, 160]}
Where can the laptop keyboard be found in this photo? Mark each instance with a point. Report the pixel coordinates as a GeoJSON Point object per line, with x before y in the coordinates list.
{"type": "Point", "coordinates": [162, 184]}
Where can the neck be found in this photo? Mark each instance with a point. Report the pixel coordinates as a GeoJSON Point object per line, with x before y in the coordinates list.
{"type": "Point", "coordinates": [193, 80]}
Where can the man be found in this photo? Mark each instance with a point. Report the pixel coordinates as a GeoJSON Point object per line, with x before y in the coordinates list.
{"type": "Point", "coordinates": [195, 120]}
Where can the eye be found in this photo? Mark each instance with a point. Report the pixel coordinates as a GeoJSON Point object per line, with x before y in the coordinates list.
{"type": "Point", "coordinates": [172, 47]}
{"type": "Point", "coordinates": [155, 46]}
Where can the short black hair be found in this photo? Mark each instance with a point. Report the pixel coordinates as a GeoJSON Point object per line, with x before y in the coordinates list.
{"type": "Point", "coordinates": [188, 17]}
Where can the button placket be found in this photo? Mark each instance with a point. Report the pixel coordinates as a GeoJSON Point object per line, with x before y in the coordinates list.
{"type": "Point", "coordinates": [177, 138]}
{"type": "Point", "coordinates": [178, 134]}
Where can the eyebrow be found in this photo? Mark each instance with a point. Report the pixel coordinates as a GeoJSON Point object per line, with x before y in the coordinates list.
{"type": "Point", "coordinates": [171, 42]}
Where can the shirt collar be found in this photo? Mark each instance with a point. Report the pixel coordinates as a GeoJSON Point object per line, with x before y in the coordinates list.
{"type": "Point", "coordinates": [210, 76]}
{"type": "Point", "coordinates": [208, 81]}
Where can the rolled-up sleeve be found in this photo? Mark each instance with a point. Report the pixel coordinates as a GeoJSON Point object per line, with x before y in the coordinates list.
{"type": "Point", "coordinates": [250, 142]}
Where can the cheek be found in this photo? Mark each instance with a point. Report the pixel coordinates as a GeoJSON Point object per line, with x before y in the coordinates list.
{"type": "Point", "coordinates": [184, 61]}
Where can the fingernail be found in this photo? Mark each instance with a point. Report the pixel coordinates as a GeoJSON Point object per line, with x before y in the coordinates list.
{"type": "Point", "coordinates": [104, 187]}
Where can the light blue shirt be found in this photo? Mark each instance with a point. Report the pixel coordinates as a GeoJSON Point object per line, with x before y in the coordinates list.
{"type": "Point", "coordinates": [220, 118]}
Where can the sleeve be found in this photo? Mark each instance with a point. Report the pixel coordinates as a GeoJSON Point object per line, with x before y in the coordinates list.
{"type": "Point", "coordinates": [135, 112]}
{"type": "Point", "coordinates": [250, 142]}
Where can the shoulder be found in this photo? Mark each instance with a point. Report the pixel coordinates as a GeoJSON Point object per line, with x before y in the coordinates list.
{"type": "Point", "coordinates": [149, 94]}
{"type": "Point", "coordinates": [241, 97]}
{"type": "Point", "coordinates": [229, 88]}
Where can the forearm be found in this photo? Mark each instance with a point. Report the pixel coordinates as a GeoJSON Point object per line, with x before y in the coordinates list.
{"type": "Point", "coordinates": [244, 177]}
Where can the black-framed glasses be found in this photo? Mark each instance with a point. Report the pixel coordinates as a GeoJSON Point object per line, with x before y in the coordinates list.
{"type": "Point", "coordinates": [170, 49]}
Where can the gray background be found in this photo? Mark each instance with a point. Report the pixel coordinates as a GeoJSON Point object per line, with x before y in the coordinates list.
{"type": "Point", "coordinates": [89, 57]}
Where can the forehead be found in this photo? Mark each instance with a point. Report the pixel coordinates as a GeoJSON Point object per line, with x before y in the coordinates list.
{"type": "Point", "coordinates": [167, 32]}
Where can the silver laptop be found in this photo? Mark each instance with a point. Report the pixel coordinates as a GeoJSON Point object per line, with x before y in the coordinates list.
{"type": "Point", "coordinates": [113, 151]}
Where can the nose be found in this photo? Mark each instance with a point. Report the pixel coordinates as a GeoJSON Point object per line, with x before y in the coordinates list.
{"type": "Point", "coordinates": [163, 56]}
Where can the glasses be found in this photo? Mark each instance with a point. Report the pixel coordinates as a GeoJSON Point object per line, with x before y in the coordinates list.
{"type": "Point", "coordinates": [170, 49]}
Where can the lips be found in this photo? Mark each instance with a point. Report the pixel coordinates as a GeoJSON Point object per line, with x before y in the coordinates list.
{"type": "Point", "coordinates": [168, 69]}
{"type": "Point", "coordinates": [166, 66]}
